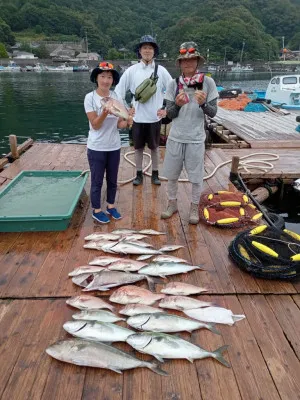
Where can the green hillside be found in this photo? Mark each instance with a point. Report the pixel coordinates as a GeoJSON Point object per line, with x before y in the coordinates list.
{"type": "Point", "coordinates": [213, 24]}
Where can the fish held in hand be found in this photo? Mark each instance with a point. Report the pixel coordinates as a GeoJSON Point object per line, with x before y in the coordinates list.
{"type": "Point", "coordinates": [181, 288]}
{"type": "Point", "coordinates": [98, 355]}
{"type": "Point", "coordinates": [163, 322]}
{"type": "Point", "coordinates": [114, 107]}
{"type": "Point", "coordinates": [98, 331]}
{"type": "Point", "coordinates": [162, 345]}
{"type": "Point", "coordinates": [86, 302]}
{"type": "Point", "coordinates": [135, 294]}
{"type": "Point", "coordinates": [97, 315]}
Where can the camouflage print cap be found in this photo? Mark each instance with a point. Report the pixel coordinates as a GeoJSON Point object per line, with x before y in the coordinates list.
{"type": "Point", "coordinates": [190, 50]}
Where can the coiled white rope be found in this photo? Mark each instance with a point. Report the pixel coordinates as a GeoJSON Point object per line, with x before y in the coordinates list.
{"type": "Point", "coordinates": [263, 164]}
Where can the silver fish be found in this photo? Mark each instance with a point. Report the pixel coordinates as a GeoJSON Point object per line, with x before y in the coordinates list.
{"type": "Point", "coordinates": [97, 244]}
{"type": "Point", "coordinates": [171, 247]}
{"type": "Point", "coordinates": [98, 355]}
{"type": "Point", "coordinates": [104, 260]}
{"type": "Point", "coordinates": [102, 236]}
{"type": "Point", "coordinates": [97, 315]}
{"type": "Point", "coordinates": [181, 288]}
{"type": "Point", "coordinates": [114, 107]}
{"type": "Point", "coordinates": [137, 242]}
{"type": "Point", "coordinates": [133, 236]}
{"type": "Point", "coordinates": [182, 302]}
{"type": "Point", "coordinates": [216, 315]}
{"type": "Point", "coordinates": [130, 248]}
{"type": "Point", "coordinates": [86, 302]}
{"type": "Point", "coordinates": [163, 322]}
{"type": "Point", "coordinates": [134, 309]}
{"type": "Point", "coordinates": [144, 257]}
{"type": "Point", "coordinates": [151, 232]}
{"type": "Point", "coordinates": [123, 231]}
{"type": "Point", "coordinates": [126, 265]}
{"type": "Point", "coordinates": [98, 331]}
{"type": "Point", "coordinates": [86, 269]}
{"type": "Point", "coordinates": [108, 279]}
{"type": "Point", "coordinates": [165, 269]}
{"type": "Point", "coordinates": [162, 345]}
{"type": "Point", "coordinates": [135, 294]}
{"type": "Point", "coordinates": [168, 259]}
{"type": "Point", "coordinates": [82, 280]}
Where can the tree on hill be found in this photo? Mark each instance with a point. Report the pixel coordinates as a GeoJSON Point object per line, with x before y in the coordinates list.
{"type": "Point", "coordinates": [3, 52]}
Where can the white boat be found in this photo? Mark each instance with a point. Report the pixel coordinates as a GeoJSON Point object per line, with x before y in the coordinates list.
{"type": "Point", "coordinates": [60, 68]}
{"type": "Point", "coordinates": [12, 67]}
{"type": "Point", "coordinates": [39, 68]}
{"type": "Point", "coordinates": [285, 90]}
{"type": "Point", "coordinates": [242, 68]}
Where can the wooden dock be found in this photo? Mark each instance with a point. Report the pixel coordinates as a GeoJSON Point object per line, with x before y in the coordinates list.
{"type": "Point", "coordinates": [264, 348]}
{"type": "Point", "coordinates": [256, 130]}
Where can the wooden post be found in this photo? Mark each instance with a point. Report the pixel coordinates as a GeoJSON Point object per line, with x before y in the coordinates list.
{"type": "Point", "coordinates": [261, 193]}
{"type": "Point", "coordinates": [13, 146]}
{"type": "Point", "coordinates": [235, 164]}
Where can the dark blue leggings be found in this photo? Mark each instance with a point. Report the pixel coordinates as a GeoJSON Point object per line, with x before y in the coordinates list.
{"type": "Point", "coordinates": [100, 162]}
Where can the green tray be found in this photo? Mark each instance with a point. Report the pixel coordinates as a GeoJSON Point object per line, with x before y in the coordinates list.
{"type": "Point", "coordinates": [40, 201]}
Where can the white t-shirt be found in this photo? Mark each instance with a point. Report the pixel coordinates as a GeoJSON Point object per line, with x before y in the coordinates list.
{"type": "Point", "coordinates": [106, 138]}
{"type": "Point", "coordinates": [188, 126]}
{"type": "Point", "coordinates": [132, 78]}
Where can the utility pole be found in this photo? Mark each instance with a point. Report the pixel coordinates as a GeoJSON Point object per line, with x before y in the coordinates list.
{"type": "Point", "coordinates": [242, 51]}
{"type": "Point", "coordinates": [283, 52]}
{"type": "Point", "coordinates": [207, 56]}
{"type": "Point", "coordinates": [225, 57]}
{"type": "Point", "coordinates": [87, 45]}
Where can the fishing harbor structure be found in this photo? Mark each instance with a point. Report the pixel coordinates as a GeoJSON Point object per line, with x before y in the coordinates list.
{"type": "Point", "coordinates": [264, 350]}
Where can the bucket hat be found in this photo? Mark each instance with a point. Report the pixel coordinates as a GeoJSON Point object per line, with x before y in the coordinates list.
{"type": "Point", "coordinates": [147, 39]}
{"type": "Point", "coordinates": [189, 50]}
{"type": "Point", "coordinates": [105, 66]}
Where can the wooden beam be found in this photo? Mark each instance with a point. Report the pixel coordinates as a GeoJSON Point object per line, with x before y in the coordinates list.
{"type": "Point", "coordinates": [21, 148]}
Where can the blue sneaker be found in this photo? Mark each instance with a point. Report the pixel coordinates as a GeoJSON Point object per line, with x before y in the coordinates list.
{"type": "Point", "coordinates": [114, 213]}
{"type": "Point", "coordinates": [101, 217]}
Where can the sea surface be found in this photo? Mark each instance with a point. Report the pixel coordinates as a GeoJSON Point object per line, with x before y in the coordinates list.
{"type": "Point", "coordinates": [48, 107]}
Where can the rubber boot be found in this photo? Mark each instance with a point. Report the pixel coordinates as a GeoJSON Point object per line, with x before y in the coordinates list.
{"type": "Point", "coordinates": [155, 179]}
{"type": "Point", "coordinates": [194, 214]}
{"type": "Point", "coordinates": [138, 179]}
{"type": "Point", "coordinates": [172, 209]}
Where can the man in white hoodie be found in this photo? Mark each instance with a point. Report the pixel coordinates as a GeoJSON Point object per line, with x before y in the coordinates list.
{"type": "Point", "coordinates": [148, 115]}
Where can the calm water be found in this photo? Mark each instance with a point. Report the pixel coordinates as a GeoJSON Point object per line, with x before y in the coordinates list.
{"type": "Point", "coordinates": [49, 106]}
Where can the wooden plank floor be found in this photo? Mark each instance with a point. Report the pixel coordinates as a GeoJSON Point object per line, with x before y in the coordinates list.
{"type": "Point", "coordinates": [264, 348]}
{"type": "Point", "coordinates": [265, 127]}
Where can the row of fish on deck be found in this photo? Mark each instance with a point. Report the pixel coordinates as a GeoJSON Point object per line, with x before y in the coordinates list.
{"type": "Point", "coordinates": [94, 328]}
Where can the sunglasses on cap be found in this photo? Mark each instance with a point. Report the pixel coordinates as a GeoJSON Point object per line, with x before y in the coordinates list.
{"type": "Point", "coordinates": [106, 65]}
{"type": "Point", "coordinates": [191, 50]}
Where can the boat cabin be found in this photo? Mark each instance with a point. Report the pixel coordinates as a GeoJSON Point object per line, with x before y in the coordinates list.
{"type": "Point", "coordinates": [285, 90]}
